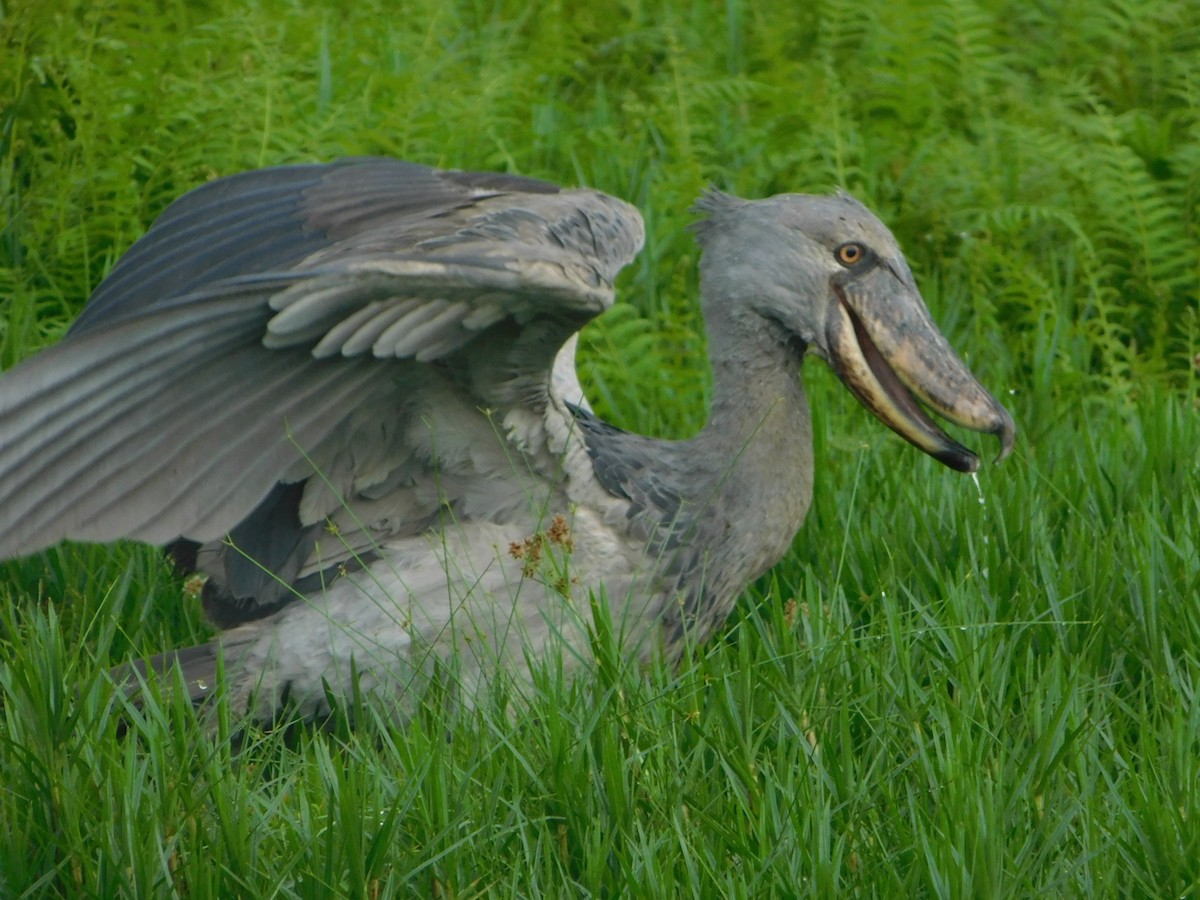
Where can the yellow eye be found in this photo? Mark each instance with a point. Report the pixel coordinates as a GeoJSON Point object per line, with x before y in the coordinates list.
{"type": "Point", "coordinates": [849, 254]}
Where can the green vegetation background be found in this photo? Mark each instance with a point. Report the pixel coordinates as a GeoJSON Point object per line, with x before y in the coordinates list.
{"type": "Point", "coordinates": [941, 692]}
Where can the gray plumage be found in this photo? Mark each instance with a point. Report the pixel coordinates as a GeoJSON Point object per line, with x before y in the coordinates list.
{"type": "Point", "coordinates": [346, 393]}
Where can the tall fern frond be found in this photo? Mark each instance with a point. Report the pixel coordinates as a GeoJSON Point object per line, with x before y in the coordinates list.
{"type": "Point", "coordinates": [963, 47]}
{"type": "Point", "coordinates": [1140, 230]}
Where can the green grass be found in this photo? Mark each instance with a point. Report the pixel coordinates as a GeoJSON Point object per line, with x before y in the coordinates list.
{"type": "Point", "coordinates": [930, 697]}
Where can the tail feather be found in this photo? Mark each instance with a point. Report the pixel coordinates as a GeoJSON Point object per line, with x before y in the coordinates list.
{"type": "Point", "coordinates": [197, 667]}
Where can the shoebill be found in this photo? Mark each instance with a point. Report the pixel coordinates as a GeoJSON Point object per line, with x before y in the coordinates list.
{"type": "Point", "coordinates": [346, 394]}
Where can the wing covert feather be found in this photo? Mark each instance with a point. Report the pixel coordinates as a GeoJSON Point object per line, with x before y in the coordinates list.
{"type": "Point", "coordinates": [267, 316]}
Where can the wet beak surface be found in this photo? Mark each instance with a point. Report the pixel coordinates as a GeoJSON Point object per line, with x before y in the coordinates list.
{"type": "Point", "coordinates": [885, 348]}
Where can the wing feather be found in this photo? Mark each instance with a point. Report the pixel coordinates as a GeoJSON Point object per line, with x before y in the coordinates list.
{"type": "Point", "coordinates": [303, 325]}
{"type": "Point", "coordinates": [364, 336]}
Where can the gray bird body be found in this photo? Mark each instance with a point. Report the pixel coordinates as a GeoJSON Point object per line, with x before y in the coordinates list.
{"type": "Point", "coordinates": [346, 393]}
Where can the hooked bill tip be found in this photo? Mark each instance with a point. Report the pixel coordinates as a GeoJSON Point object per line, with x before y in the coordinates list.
{"type": "Point", "coordinates": [1006, 431]}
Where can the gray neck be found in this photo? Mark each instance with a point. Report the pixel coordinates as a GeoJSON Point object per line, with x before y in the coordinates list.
{"type": "Point", "coordinates": [753, 461]}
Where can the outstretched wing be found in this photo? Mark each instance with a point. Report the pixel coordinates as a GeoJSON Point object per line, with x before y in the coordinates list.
{"type": "Point", "coordinates": [291, 341]}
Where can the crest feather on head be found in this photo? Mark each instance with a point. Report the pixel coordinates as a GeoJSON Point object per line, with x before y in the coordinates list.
{"type": "Point", "coordinates": [714, 205]}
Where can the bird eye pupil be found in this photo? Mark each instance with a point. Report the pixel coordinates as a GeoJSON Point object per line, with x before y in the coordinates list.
{"type": "Point", "coordinates": [849, 253]}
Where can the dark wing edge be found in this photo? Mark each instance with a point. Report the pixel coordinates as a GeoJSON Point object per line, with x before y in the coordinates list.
{"type": "Point", "coordinates": [270, 219]}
